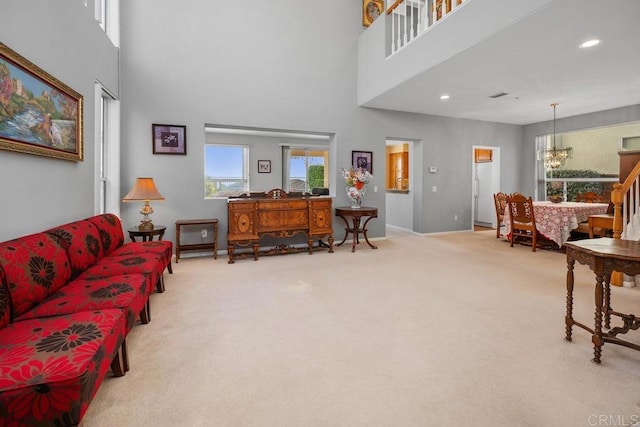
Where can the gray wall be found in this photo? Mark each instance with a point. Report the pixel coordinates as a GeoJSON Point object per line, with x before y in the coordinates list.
{"type": "Point", "coordinates": [277, 64]}
{"type": "Point", "coordinates": [64, 40]}
{"type": "Point", "coordinates": [282, 65]}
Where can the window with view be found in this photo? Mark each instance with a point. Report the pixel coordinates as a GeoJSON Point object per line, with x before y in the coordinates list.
{"type": "Point", "coordinates": [307, 168]}
{"type": "Point", "coordinates": [226, 170]}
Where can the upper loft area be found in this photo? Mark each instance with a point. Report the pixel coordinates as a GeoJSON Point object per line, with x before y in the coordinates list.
{"type": "Point", "coordinates": [526, 50]}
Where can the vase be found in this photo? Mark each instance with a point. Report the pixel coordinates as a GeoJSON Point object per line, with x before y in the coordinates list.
{"type": "Point", "coordinates": [355, 196]}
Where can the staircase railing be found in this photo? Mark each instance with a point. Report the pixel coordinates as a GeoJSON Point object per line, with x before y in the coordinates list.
{"type": "Point", "coordinates": [626, 207]}
{"type": "Point", "coordinates": [410, 18]}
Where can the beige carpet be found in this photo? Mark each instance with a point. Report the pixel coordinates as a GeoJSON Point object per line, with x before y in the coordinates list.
{"type": "Point", "coordinates": [448, 330]}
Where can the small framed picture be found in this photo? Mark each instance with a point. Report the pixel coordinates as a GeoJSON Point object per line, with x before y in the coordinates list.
{"type": "Point", "coordinates": [362, 160]}
{"type": "Point", "coordinates": [264, 166]}
{"type": "Point", "coordinates": [371, 9]}
{"type": "Point", "coordinates": [169, 139]}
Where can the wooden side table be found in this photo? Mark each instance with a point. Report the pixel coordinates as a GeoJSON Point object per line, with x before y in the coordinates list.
{"type": "Point", "coordinates": [603, 256]}
{"type": "Point", "coordinates": [213, 222]}
{"type": "Point", "coordinates": [355, 228]}
{"type": "Point", "coordinates": [147, 235]}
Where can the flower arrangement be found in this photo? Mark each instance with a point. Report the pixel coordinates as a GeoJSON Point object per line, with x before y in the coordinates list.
{"type": "Point", "coordinates": [356, 177]}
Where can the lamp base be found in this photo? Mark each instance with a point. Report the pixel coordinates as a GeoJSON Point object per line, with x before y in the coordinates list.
{"type": "Point", "coordinates": [145, 226]}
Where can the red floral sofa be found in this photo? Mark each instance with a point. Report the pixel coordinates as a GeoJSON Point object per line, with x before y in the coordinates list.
{"type": "Point", "coordinates": [68, 298]}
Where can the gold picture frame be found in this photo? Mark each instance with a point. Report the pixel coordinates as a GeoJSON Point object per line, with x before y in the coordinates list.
{"type": "Point", "coordinates": [371, 9]}
{"type": "Point", "coordinates": [38, 113]}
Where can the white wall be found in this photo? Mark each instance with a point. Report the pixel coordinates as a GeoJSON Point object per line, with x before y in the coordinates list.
{"type": "Point", "coordinates": [64, 40]}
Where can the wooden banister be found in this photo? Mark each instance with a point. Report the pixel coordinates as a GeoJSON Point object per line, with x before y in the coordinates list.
{"type": "Point", "coordinates": [617, 197]}
{"type": "Point", "coordinates": [393, 6]}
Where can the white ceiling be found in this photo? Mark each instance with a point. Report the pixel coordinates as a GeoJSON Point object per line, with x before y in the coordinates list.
{"type": "Point", "coordinates": [536, 61]}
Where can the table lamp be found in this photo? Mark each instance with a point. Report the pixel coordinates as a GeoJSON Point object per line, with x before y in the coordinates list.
{"type": "Point", "coordinates": [144, 189]}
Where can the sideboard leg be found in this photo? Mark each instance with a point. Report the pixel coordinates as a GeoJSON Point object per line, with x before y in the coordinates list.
{"type": "Point", "coordinates": [230, 251]}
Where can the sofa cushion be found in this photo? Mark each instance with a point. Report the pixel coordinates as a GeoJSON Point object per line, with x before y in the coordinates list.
{"type": "Point", "coordinates": [110, 229]}
{"type": "Point", "coordinates": [128, 292]}
{"type": "Point", "coordinates": [35, 266]}
{"type": "Point", "coordinates": [83, 242]}
{"type": "Point", "coordinates": [50, 368]}
{"type": "Point", "coordinates": [146, 264]}
{"type": "Point", "coordinates": [164, 248]}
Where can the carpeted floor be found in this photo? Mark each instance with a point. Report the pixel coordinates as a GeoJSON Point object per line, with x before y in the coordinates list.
{"type": "Point", "coordinates": [447, 330]}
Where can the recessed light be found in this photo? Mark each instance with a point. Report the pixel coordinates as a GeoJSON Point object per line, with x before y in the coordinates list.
{"type": "Point", "coordinates": [443, 97]}
{"type": "Point", "coordinates": [590, 43]}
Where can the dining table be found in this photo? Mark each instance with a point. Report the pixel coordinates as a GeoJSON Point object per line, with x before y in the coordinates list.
{"type": "Point", "coordinates": [556, 220]}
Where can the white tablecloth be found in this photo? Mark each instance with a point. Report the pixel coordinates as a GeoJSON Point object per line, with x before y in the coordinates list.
{"type": "Point", "coordinates": [556, 220]}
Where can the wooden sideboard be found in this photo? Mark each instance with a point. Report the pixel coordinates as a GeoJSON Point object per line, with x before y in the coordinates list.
{"type": "Point", "coordinates": [278, 215]}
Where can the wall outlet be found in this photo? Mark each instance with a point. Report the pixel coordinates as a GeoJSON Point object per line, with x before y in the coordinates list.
{"type": "Point", "coordinates": [455, 217]}
{"type": "Point", "coordinates": [204, 233]}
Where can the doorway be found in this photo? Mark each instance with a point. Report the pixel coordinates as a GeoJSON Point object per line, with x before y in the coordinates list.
{"type": "Point", "coordinates": [400, 183]}
{"type": "Point", "coordinates": [485, 183]}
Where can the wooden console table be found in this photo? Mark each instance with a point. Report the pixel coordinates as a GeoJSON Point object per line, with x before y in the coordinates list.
{"type": "Point", "coordinates": [278, 215]}
{"type": "Point", "coordinates": [354, 228]}
{"type": "Point", "coordinates": [603, 256]}
{"type": "Point", "coordinates": [197, 246]}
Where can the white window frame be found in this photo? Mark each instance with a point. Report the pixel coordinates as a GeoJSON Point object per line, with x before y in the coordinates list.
{"type": "Point", "coordinates": [286, 159]}
{"type": "Point", "coordinates": [107, 152]}
{"type": "Point", "coordinates": [107, 13]}
{"type": "Point", "coordinates": [245, 171]}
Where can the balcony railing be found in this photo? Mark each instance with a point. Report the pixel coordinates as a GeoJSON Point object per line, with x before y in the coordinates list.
{"type": "Point", "coordinates": [223, 187]}
{"type": "Point", "coordinates": [411, 18]}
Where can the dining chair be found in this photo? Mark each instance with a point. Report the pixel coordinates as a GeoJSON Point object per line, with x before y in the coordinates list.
{"type": "Point", "coordinates": [500, 202]}
{"type": "Point", "coordinates": [596, 225]}
{"type": "Point", "coordinates": [590, 197]}
{"type": "Point", "coordinates": [522, 219]}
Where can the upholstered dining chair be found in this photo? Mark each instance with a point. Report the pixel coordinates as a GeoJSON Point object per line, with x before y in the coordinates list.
{"type": "Point", "coordinates": [500, 202]}
{"type": "Point", "coordinates": [522, 219]}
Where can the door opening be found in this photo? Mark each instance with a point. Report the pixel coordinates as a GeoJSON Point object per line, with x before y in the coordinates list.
{"type": "Point", "coordinates": [485, 183]}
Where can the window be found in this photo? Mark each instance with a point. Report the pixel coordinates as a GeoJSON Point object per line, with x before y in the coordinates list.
{"type": "Point", "coordinates": [107, 170]}
{"type": "Point", "coordinates": [306, 168]}
{"type": "Point", "coordinates": [226, 170]}
{"type": "Point", "coordinates": [106, 14]}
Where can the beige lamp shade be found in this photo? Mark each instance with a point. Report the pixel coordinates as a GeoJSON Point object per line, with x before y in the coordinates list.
{"type": "Point", "coordinates": [144, 189]}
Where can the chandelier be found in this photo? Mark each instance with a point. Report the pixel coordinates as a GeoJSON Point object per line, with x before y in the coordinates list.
{"type": "Point", "coordinates": [555, 157]}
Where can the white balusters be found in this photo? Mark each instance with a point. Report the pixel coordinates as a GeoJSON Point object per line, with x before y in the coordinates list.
{"type": "Point", "coordinates": [631, 212]}
{"type": "Point", "coordinates": [411, 18]}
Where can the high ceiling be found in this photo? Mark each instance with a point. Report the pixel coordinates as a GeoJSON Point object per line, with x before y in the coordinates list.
{"type": "Point", "coordinates": [536, 61]}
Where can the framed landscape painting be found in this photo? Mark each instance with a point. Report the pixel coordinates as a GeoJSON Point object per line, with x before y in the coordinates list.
{"type": "Point", "coordinates": [38, 113]}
